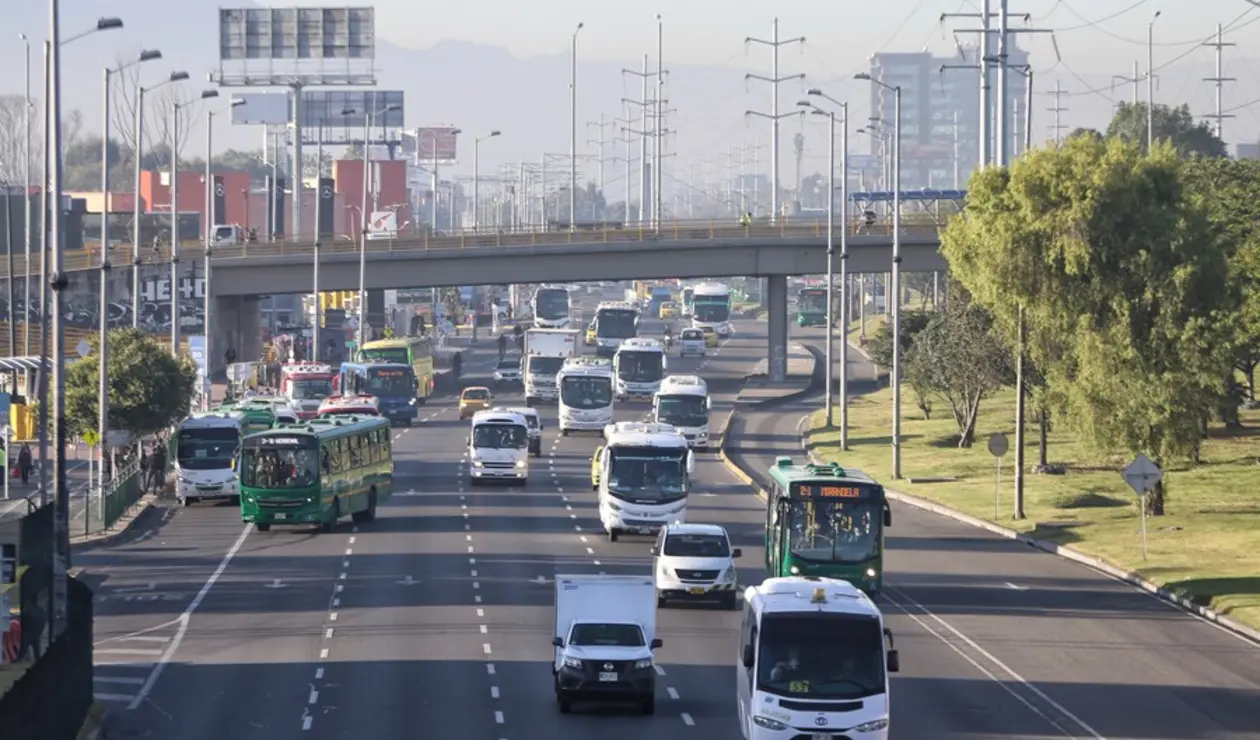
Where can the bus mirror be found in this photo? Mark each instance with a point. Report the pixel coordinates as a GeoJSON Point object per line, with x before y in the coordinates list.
{"type": "Point", "coordinates": [747, 657]}
{"type": "Point", "coordinates": [708, 403]}
{"type": "Point", "coordinates": [894, 662]}
{"type": "Point", "coordinates": [467, 440]}
{"type": "Point", "coordinates": [657, 642]}
{"type": "Point", "coordinates": [557, 641]}
{"type": "Point", "coordinates": [737, 553]}
{"type": "Point", "coordinates": [887, 515]}
{"type": "Point", "coordinates": [691, 462]}
{"type": "Point", "coordinates": [654, 551]}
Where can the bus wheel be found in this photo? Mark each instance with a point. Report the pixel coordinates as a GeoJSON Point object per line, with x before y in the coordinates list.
{"type": "Point", "coordinates": [368, 514]}
{"type": "Point", "coordinates": [612, 535]}
{"type": "Point", "coordinates": [262, 526]}
{"type": "Point", "coordinates": [331, 522]}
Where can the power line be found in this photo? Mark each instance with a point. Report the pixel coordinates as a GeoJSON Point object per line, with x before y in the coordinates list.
{"type": "Point", "coordinates": [1219, 81]}
{"type": "Point", "coordinates": [1056, 128]}
{"type": "Point", "coordinates": [774, 115]}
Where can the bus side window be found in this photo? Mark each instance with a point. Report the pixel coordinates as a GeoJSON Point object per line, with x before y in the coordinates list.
{"type": "Point", "coordinates": [386, 443]}
{"type": "Point", "coordinates": [368, 441]}
{"type": "Point", "coordinates": [326, 458]}
{"type": "Point", "coordinates": [352, 446]}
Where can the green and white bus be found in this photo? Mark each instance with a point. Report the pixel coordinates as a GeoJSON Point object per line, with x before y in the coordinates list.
{"type": "Point", "coordinates": [316, 472]}
{"type": "Point", "coordinates": [827, 521]}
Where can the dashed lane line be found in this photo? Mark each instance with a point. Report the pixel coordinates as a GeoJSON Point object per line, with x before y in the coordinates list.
{"type": "Point", "coordinates": [334, 604]}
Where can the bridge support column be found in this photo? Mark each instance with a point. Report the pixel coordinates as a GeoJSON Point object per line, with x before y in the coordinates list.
{"type": "Point", "coordinates": [776, 302]}
{"type": "Point", "coordinates": [375, 310]}
{"type": "Point", "coordinates": [237, 323]}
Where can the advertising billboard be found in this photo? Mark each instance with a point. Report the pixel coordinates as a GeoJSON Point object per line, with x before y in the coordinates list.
{"type": "Point", "coordinates": [322, 108]}
{"type": "Point", "coordinates": [261, 109]}
{"type": "Point", "coordinates": [277, 46]}
{"type": "Point", "coordinates": [432, 143]}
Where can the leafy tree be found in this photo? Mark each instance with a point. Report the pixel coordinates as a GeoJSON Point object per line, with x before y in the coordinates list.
{"type": "Point", "coordinates": [880, 346]}
{"type": "Point", "coordinates": [958, 357]}
{"type": "Point", "coordinates": [1174, 125]}
{"type": "Point", "coordinates": [148, 388]}
{"type": "Point", "coordinates": [1120, 278]}
{"type": "Point", "coordinates": [1089, 132]}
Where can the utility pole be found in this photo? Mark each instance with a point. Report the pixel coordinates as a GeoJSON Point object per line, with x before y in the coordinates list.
{"type": "Point", "coordinates": [660, 121]}
{"type": "Point", "coordinates": [1135, 80]}
{"type": "Point", "coordinates": [642, 132]}
{"type": "Point", "coordinates": [601, 125]}
{"type": "Point", "coordinates": [775, 43]}
{"type": "Point", "coordinates": [1056, 128]}
{"type": "Point", "coordinates": [1220, 79]}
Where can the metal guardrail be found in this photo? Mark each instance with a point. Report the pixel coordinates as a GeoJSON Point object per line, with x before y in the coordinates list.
{"type": "Point", "coordinates": [915, 225]}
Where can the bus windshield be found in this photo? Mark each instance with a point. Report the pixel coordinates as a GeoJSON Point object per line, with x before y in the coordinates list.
{"type": "Point", "coordinates": [207, 449]}
{"type": "Point", "coordinates": [647, 475]}
{"type": "Point", "coordinates": [711, 309]}
{"type": "Point", "coordinates": [616, 324]}
{"type": "Point", "coordinates": [400, 355]}
{"type": "Point", "coordinates": [305, 389]}
{"type": "Point", "coordinates": [552, 303]}
{"type": "Point", "coordinates": [835, 531]}
{"type": "Point", "coordinates": [642, 367]}
{"type": "Point", "coordinates": [500, 437]}
{"type": "Point", "coordinates": [682, 411]}
{"type": "Point", "coordinates": [812, 302]}
{"type": "Point", "coordinates": [280, 463]}
{"type": "Point", "coordinates": [586, 392]}
{"type": "Point", "coordinates": [820, 656]}
{"type": "Point", "coordinates": [392, 381]}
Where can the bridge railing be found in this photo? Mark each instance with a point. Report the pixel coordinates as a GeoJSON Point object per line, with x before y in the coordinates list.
{"type": "Point", "coordinates": [707, 229]}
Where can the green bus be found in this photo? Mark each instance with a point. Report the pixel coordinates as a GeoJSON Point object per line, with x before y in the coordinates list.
{"type": "Point", "coordinates": [825, 520]}
{"type": "Point", "coordinates": [316, 472]}
{"type": "Point", "coordinates": [811, 307]}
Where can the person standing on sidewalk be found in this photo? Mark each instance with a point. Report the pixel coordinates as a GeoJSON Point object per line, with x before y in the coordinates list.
{"type": "Point", "coordinates": [25, 463]}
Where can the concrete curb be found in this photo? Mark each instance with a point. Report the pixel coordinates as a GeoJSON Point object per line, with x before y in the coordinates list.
{"type": "Point", "coordinates": [1076, 556]}
{"type": "Point", "coordinates": [94, 725]}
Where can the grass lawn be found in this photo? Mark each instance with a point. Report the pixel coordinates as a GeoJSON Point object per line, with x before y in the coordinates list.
{"type": "Point", "coordinates": [1207, 547]}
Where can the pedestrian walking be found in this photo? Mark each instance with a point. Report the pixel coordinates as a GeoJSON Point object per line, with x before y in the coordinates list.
{"type": "Point", "coordinates": [25, 463]}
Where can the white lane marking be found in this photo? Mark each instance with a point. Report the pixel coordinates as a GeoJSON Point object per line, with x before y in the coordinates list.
{"type": "Point", "coordinates": [128, 651]}
{"type": "Point", "coordinates": [313, 696]}
{"type": "Point", "coordinates": [597, 562]}
{"type": "Point", "coordinates": [323, 653]}
{"type": "Point", "coordinates": [476, 585]}
{"type": "Point", "coordinates": [352, 539]}
{"type": "Point", "coordinates": [486, 648]}
{"type": "Point", "coordinates": [494, 692]}
{"type": "Point", "coordinates": [336, 602]}
{"type": "Point", "coordinates": [581, 536]}
{"type": "Point", "coordinates": [473, 574]}
{"type": "Point", "coordinates": [328, 633]}
{"type": "Point", "coordinates": [498, 717]}
{"type": "Point", "coordinates": [1014, 587]}
{"type": "Point", "coordinates": [483, 629]}
{"type": "Point", "coordinates": [472, 561]}
{"type": "Point", "coordinates": [589, 551]}
{"type": "Point", "coordinates": [481, 612]}
{"type": "Point", "coordinates": [332, 617]}
{"type": "Point", "coordinates": [992, 659]}
{"type": "Point", "coordinates": [673, 693]}
{"type": "Point", "coordinates": [319, 673]}
{"type": "Point", "coordinates": [659, 670]}
{"type": "Point", "coordinates": [338, 588]}
{"type": "Point", "coordinates": [185, 618]}
{"type": "Point", "coordinates": [489, 666]}
{"type": "Point", "coordinates": [306, 721]}
{"type": "Point", "coordinates": [687, 720]}
{"type": "Point", "coordinates": [113, 697]}
{"type": "Point", "coordinates": [146, 638]}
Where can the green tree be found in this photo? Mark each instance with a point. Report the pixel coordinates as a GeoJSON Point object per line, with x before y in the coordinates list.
{"type": "Point", "coordinates": [148, 388]}
{"type": "Point", "coordinates": [880, 346]}
{"type": "Point", "coordinates": [1174, 125]}
{"type": "Point", "coordinates": [1090, 132]}
{"type": "Point", "coordinates": [1120, 278]}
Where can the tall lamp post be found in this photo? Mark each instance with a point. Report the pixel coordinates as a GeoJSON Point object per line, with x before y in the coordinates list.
{"type": "Point", "coordinates": [894, 293]}
{"type": "Point", "coordinates": [1150, 81]}
{"type": "Point", "coordinates": [102, 390]}
{"type": "Point", "coordinates": [26, 182]}
{"type": "Point", "coordinates": [363, 216]}
{"type": "Point", "coordinates": [433, 203]}
{"type": "Point", "coordinates": [573, 130]}
{"type": "Point", "coordinates": [175, 109]}
{"type": "Point", "coordinates": [177, 76]}
{"type": "Point", "coordinates": [477, 175]}
{"type": "Point", "coordinates": [209, 240]}
{"type": "Point", "coordinates": [844, 259]}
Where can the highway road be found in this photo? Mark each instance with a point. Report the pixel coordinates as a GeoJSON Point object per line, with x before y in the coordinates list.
{"type": "Point", "coordinates": [998, 640]}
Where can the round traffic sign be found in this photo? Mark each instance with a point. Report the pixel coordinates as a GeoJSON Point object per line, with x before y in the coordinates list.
{"type": "Point", "coordinates": [998, 445]}
{"type": "Point", "coordinates": [326, 192]}
{"type": "Point", "coordinates": [218, 189]}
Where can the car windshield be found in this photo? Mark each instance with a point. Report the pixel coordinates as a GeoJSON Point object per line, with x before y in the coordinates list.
{"type": "Point", "coordinates": [586, 392]}
{"type": "Point", "coordinates": [696, 546]}
{"type": "Point", "coordinates": [512, 365]}
{"type": "Point", "coordinates": [310, 389]}
{"type": "Point", "coordinates": [643, 367]}
{"type": "Point", "coordinates": [646, 475]}
{"type": "Point", "coordinates": [835, 531]}
{"type": "Point", "coordinates": [682, 411]}
{"type": "Point", "coordinates": [500, 436]}
{"type": "Point", "coordinates": [279, 469]}
{"type": "Point", "coordinates": [545, 365]}
{"type": "Point", "coordinates": [476, 394]}
{"type": "Point", "coordinates": [606, 635]}
{"type": "Point", "coordinates": [207, 449]}
{"type": "Point", "coordinates": [820, 656]}
{"type": "Point", "coordinates": [692, 335]}
{"type": "Point", "coordinates": [390, 382]}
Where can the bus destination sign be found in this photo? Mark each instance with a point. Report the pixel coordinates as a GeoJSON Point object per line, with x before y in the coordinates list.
{"type": "Point", "coordinates": [389, 372]}
{"type": "Point", "coordinates": [827, 490]}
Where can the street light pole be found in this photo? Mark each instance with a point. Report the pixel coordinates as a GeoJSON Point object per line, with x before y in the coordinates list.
{"type": "Point", "coordinates": [363, 230]}
{"type": "Point", "coordinates": [175, 306]}
{"type": "Point", "coordinates": [207, 269]}
{"type": "Point", "coordinates": [1150, 81]}
{"type": "Point", "coordinates": [573, 131]}
{"type": "Point", "coordinates": [477, 177]}
{"type": "Point", "coordinates": [26, 179]}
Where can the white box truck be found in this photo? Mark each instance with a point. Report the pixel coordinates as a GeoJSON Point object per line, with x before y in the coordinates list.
{"type": "Point", "coordinates": [604, 637]}
{"type": "Point", "coordinates": [545, 353]}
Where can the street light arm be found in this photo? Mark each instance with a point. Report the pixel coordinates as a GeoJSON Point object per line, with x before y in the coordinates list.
{"type": "Point", "coordinates": [102, 24]}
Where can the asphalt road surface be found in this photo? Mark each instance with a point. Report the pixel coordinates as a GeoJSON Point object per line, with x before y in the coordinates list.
{"type": "Point", "coordinates": [435, 621]}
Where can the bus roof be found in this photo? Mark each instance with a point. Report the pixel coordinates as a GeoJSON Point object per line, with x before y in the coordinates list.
{"type": "Point", "coordinates": [327, 428]}
{"type": "Point", "coordinates": [498, 416]}
{"type": "Point", "coordinates": [585, 366]}
{"type": "Point", "coordinates": [306, 368]}
{"type": "Point", "coordinates": [616, 306]}
{"type": "Point", "coordinates": [796, 594]}
{"type": "Point", "coordinates": [641, 344]}
{"type": "Point", "coordinates": [369, 365]}
{"type": "Point", "coordinates": [642, 434]}
{"type": "Point", "coordinates": [683, 385]}
{"type": "Point", "coordinates": [784, 471]}
{"type": "Point", "coordinates": [214, 420]}
{"type": "Point", "coordinates": [395, 343]}
{"type": "Point", "coordinates": [711, 289]}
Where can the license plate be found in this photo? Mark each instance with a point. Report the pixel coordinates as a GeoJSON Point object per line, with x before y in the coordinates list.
{"type": "Point", "coordinates": [645, 530]}
{"type": "Point", "coordinates": [697, 591]}
{"type": "Point", "coordinates": [606, 677]}
{"type": "Point", "coordinates": [821, 736]}
{"type": "Point", "coordinates": [282, 516]}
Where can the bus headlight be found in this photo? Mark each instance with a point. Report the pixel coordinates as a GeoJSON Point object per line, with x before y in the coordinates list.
{"type": "Point", "coordinates": [872, 726]}
{"type": "Point", "coordinates": [476, 463]}
{"type": "Point", "coordinates": [795, 571]}
{"type": "Point", "coordinates": [769, 724]}
{"type": "Point", "coordinates": [520, 464]}
{"type": "Point", "coordinates": [870, 572]}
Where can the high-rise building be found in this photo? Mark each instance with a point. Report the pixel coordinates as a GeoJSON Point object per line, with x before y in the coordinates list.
{"type": "Point", "coordinates": [940, 113]}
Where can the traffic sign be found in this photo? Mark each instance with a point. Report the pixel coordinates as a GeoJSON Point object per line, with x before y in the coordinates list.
{"type": "Point", "coordinates": [1142, 475]}
{"type": "Point", "coordinates": [83, 348]}
{"type": "Point", "coordinates": [998, 445]}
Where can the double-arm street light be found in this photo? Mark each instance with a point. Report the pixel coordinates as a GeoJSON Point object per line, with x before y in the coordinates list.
{"type": "Point", "coordinates": [208, 302]}
{"type": "Point", "coordinates": [894, 292]}
{"type": "Point", "coordinates": [477, 174]}
{"type": "Point", "coordinates": [363, 212]}
{"type": "Point", "coordinates": [844, 258]}
{"type": "Point", "coordinates": [573, 129]}
{"type": "Point", "coordinates": [175, 109]}
{"type": "Point", "coordinates": [137, 211]}
{"type": "Point", "coordinates": [102, 390]}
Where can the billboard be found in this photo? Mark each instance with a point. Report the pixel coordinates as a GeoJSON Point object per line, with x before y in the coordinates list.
{"type": "Point", "coordinates": [279, 46]}
{"type": "Point", "coordinates": [321, 108]}
{"type": "Point", "coordinates": [431, 143]}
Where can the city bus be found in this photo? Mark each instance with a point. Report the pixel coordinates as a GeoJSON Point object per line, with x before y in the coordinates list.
{"type": "Point", "coordinates": [615, 321]}
{"type": "Point", "coordinates": [711, 307]}
{"type": "Point", "coordinates": [317, 472]}
{"type": "Point", "coordinates": [586, 395]}
{"type": "Point", "coordinates": [644, 478]}
{"type": "Point", "coordinates": [551, 307]}
{"type": "Point", "coordinates": [828, 521]}
{"type": "Point", "coordinates": [414, 351]}
{"type": "Point", "coordinates": [393, 384]}
{"type": "Point", "coordinates": [811, 307]}
{"type": "Point", "coordinates": [206, 444]}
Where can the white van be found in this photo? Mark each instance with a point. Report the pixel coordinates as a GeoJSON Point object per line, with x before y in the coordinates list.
{"type": "Point", "coordinates": [683, 402]}
{"type": "Point", "coordinates": [205, 449]}
{"type": "Point", "coordinates": [691, 342]}
{"type": "Point", "coordinates": [498, 447]}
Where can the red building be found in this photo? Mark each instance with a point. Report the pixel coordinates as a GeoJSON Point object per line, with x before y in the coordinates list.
{"type": "Point", "coordinates": [391, 195]}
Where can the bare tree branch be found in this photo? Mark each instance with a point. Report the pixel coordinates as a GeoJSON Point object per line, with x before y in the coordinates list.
{"type": "Point", "coordinates": [124, 96]}
{"type": "Point", "coordinates": [160, 129]}
{"type": "Point", "coordinates": [12, 148]}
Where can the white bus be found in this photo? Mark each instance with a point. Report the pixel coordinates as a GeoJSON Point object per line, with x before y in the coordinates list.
{"type": "Point", "coordinates": [683, 402]}
{"type": "Point", "coordinates": [814, 659]}
{"type": "Point", "coordinates": [498, 447]}
{"type": "Point", "coordinates": [586, 394]}
{"type": "Point", "coordinates": [551, 307]}
{"type": "Point", "coordinates": [206, 444]}
{"type": "Point", "coordinates": [615, 322]}
{"type": "Point", "coordinates": [688, 300]}
{"type": "Point", "coordinates": [712, 308]}
{"type": "Point", "coordinates": [640, 364]}
{"type": "Point", "coordinates": [644, 476]}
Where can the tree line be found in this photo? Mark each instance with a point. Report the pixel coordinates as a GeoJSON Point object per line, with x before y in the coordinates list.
{"type": "Point", "coordinates": [1128, 277]}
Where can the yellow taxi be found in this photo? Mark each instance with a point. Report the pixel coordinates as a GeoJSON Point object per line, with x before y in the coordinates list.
{"type": "Point", "coordinates": [710, 336]}
{"type": "Point", "coordinates": [595, 468]}
{"type": "Point", "coordinates": [590, 335]}
{"type": "Point", "coordinates": [669, 310]}
{"type": "Point", "coordinates": [473, 399]}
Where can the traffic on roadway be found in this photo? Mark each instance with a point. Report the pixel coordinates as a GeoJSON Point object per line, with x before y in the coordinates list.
{"type": "Point", "coordinates": [615, 584]}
